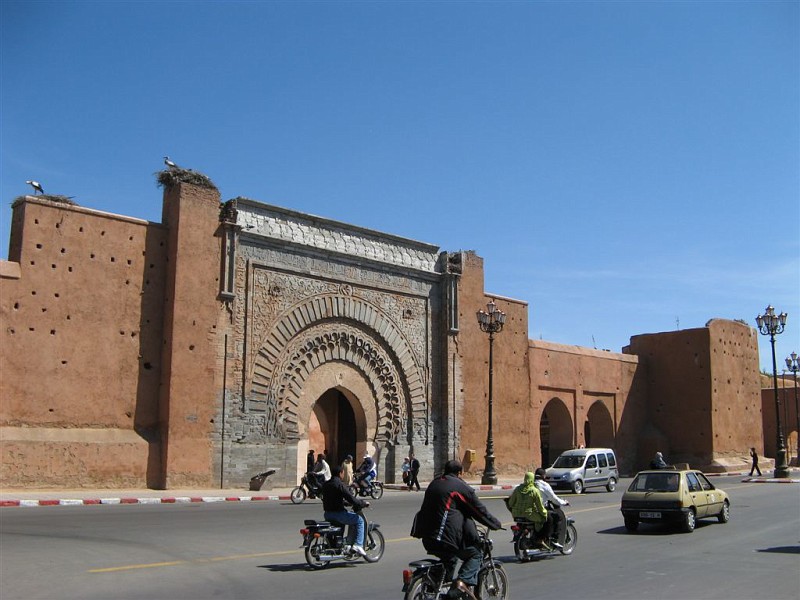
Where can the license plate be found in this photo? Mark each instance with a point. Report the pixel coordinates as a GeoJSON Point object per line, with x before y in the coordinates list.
{"type": "Point", "coordinates": [649, 515]}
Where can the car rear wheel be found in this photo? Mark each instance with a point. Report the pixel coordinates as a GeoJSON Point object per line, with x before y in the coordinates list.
{"type": "Point", "coordinates": [577, 486]}
{"type": "Point", "coordinates": [725, 514]}
{"type": "Point", "coordinates": [689, 521]}
{"type": "Point", "coordinates": [611, 485]}
{"type": "Point", "coordinates": [631, 524]}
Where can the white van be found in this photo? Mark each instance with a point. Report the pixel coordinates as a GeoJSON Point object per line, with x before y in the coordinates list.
{"type": "Point", "coordinates": [584, 468]}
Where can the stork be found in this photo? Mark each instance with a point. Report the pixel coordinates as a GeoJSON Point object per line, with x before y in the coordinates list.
{"type": "Point", "coordinates": [36, 186]}
{"type": "Point", "coordinates": [169, 163]}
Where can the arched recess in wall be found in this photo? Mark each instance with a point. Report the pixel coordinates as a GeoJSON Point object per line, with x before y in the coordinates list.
{"type": "Point", "coordinates": [349, 331]}
{"type": "Point", "coordinates": [556, 424]}
{"type": "Point", "coordinates": [599, 430]}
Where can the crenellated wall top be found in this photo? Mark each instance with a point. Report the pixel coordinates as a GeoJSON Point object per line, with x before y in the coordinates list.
{"type": "Point", "coordinates": [303, 229]}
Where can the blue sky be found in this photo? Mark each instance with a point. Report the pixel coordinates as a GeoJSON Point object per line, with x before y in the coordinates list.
{"type": "Point", "coordinates": [625, 167]}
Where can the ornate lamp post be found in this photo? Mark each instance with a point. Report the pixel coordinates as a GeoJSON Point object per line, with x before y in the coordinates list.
{"type": "Point", "coordinates": [771, 324]}
{"type": "Point", "coordinates": [793, 365]}
{"type": "Point", "coordinates": [490, 322]}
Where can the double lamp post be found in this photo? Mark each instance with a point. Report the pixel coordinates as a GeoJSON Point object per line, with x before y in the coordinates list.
{"type": "Point", "coordinates": [771, 324]}
{"type": "Point", "coordinates": [793, 365]}
{"type": "Point", "coordinates": [490, 322]}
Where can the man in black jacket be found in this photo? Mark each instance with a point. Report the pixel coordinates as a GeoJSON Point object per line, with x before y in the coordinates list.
{"type": "Point", "coordinates": [445, 524]}
{"type": "Point", "coordinates": [335, 494]}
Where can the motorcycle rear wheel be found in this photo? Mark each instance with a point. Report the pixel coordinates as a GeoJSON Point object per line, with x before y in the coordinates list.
{"type": "Point", "coordinates": [313, 550]}
{"type": "Point", "coordinates": [377, 490]}
{"type": "Point", "coordinates": [421, 588]}
{"type": "Point", "coordinates": [521, 546]}
{"type": "Point", "coordinates": [298, 495]}
{"type": "Point", "coordinates": [492, 583]}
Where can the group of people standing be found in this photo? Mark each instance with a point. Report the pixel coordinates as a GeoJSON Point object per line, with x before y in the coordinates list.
{"type": "Point", "coordinates": [321, 470]}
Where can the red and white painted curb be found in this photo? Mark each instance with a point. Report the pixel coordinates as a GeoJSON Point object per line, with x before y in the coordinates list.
{"type": "Point", "coordinates": [146, 500]}
{"type": "Point", "coordinates": [183, 499]}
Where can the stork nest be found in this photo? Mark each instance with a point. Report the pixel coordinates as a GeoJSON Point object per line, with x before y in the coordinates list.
{"type": "Point", "coordinates": [57, 198]}
{"type": "Point", "coordinates": [170, 177]}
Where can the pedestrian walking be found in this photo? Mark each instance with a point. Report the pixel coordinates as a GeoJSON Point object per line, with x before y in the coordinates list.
{"type": "Point", "coordinates": [406, 468]}
{"type": "Point", "coordinates": [413, 472]}
{"type": "Point", "coordinates": [310, 461]}
{"type": "Point", "coordinates": [347, 470]}
{"type": "Point", "coordinates": [754, 455]}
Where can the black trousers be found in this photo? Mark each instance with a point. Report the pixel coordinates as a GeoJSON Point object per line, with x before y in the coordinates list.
{"type": "Point", "coordinates": [412, 479]}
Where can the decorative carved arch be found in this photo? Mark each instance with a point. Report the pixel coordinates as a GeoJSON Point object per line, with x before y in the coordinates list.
{"type": "Point", "coordinates": [339, 328]}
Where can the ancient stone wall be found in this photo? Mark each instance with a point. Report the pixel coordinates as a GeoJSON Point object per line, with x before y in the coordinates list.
{"type": "Point", "coordinates": [81, 351]}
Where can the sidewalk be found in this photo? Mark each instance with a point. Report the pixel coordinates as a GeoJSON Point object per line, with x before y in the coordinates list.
{"type": "Point", "coordinates": [62, 497]}
{"type": "Point", "coordinates": [65, 497]}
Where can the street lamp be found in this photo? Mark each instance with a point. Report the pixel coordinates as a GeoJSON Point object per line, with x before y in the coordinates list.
{"type": "Point", "coordinates": [490, 322]}
{"type": "Point", "coordinates": [793, 365]}
{"type": "Point", "coordinates": [771, 324]}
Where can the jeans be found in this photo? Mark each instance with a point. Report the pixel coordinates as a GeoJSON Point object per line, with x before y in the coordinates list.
{"type": "Point", "coordinates": [348, 518]}
{"type": "Point", "coordinates": [471, 557]}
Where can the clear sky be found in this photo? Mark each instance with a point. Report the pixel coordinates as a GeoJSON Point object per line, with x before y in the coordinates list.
{"type": "Point", "coordinates": [624, 167]}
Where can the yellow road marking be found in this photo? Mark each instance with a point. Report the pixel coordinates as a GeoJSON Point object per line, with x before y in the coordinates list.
{"type": "Point", "coordinates": [286, 552]}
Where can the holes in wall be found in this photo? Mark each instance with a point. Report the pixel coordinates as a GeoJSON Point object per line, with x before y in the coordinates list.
{"type": "Point", "coordinates": [63, 251]}
{"type": "Point", "coordinates": [33, 263]}
{"type": "Point", "coordinates": [113, 259]}
{"type": "Point", "coordinates": [80, 229]}
{"type": "Point", "coordinates": [191, 348]}
{"type": "Point", "coordinates": [102, 233]}
{"type": "Point", "coordinates": [69, 269]}
{"type": "Point", "coordinates": [33, 292]}
{"type": "Point", "coordinates": [91, 256]}
{"type": "Point", "coordinates": [129, 261]}
{"type": "Point", "coordinates": [52, 332]}
{"type": "Point", "coordinates": [38, 246]}
{"type": "Point", "coordinates": [147, 366]}
{"type": "Point", "coordinates": [16, 305]}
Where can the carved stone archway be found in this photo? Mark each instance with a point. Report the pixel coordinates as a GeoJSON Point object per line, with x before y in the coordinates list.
{"type": "Point", "coordinates": [348, 331]}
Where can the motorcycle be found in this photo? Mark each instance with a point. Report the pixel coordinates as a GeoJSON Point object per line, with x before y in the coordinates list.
{"type": "Point", "coordinates": [325, 542]}
{"type": "Point", "coordinates": [526, 540]}
{"type": "Point", "coordinates": [428, 578]}
{"type": "Point", "coordinates": [308, 488]}
{"type": "Point", "coordinates": [373, 489]}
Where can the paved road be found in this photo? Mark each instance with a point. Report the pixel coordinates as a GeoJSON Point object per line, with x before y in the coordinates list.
{"type": "Point", "coordinates": [251, 550]}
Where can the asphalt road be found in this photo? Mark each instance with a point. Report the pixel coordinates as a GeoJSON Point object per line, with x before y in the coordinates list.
{"type": "Point", "coordinates": [251, 550]}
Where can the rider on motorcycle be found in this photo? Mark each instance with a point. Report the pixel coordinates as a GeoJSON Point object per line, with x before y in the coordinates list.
{"type": "Point", "coordinates": [526, 502]}
{"type": "Point", "coordinates": [445, 524]}
{"type": "Point", "coordinates": [554, 503]}
{"type": "Point", "coordinates": [366, 472]}
{"type": "Point", "coordinates": [335, 495]}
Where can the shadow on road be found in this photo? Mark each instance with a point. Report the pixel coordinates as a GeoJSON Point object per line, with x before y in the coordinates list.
{"type": "Point", "coordinates": [782, 550]}
{"type": "Point", "coordinates": [290, 568]}
{"type": "Point", "coordinates": [651, 529]}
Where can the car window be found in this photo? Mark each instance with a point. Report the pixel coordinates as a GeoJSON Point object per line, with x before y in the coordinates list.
{"type": "Point", "coordinates": [592, 462]}
{"type": "Point", "coordinates": [568, 462]}
{"type": "Point", "coordinates": [655, 482]}
{"type": "Point", "coordinates": [704, 482]}
{"type": "Point", "coordinates": [694, 484]}
{"type": "Point", "coordinates": [602, 459]}
{"type": "Point", "coordinates": [612, 460]}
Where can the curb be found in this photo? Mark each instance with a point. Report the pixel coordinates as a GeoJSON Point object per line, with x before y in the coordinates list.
{"type": "Point", "coordinates": [189, 499]}
{"type": "Point", "coordinates": [147, 500]}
